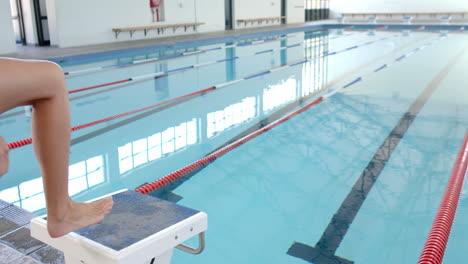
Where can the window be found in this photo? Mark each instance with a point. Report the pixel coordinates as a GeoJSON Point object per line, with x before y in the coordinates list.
{"type": "Point", "coordinates": [86, 174]}
{"type": "Point", "coordinates": [156, 146]}
{"type": "Point", "coordinates": [232, 115]}
{"type": "Point", "coordinates": [30, 195]}
{"type": "Point", "coordinates": [279, 94]}
{"type": "Point", "coordinates": [316, 9]}
{"type": "Point", "coordinates": [314, 72]}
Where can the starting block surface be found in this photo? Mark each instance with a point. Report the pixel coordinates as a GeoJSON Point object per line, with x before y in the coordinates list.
{"type": "Point", "coordinates": [138, 228]}
{"type": "Point", "coordinates": [133, 218]}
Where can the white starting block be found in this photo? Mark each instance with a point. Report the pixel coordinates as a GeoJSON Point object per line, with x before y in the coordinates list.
{"type": "Point", "coordinates": [139, 229]}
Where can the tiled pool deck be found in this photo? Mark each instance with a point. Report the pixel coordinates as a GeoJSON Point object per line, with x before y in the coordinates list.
{"type": "Point", "coordinates": [16, 244]}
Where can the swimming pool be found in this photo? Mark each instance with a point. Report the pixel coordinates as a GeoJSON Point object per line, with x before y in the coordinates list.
{"type": "Point", "coordinates": [286, 185]}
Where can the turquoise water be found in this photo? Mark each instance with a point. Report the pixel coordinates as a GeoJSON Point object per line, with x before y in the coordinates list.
{"type": "Point", "coordinates": [285, 185]}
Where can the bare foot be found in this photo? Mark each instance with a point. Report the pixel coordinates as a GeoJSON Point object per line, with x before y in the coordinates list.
{"type": "Point", "coordinates": [79, 215]}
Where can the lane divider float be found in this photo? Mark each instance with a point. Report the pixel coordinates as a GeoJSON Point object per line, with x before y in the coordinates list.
{"type": "Point", "coordinates": [178, 55]}
{"type": "Point", "coordinates": [436, 243]}
{"type": "Point", "coordinates": [165, 73]}
{"type": "Point", "coordinates": [386, 65]}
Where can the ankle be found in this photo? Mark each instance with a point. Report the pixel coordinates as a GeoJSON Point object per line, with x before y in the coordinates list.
{"type": "Point", "coordinates": [61, 211]}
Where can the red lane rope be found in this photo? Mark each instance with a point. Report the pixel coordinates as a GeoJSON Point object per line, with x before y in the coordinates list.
{"type": "Point", "coordinates": [28, 141]}
{"type": "Point", "coordinates": [99, 86]}
{"type": "Point", "coordinates": [148, 188]}
{"type": "Point", "coordinates": [434, 249]}
{"type": "Point", "coordinates": [19, 143]}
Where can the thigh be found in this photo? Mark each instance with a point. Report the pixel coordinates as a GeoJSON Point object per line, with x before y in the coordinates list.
{"type": "Point", "coordinates": [22, 82]}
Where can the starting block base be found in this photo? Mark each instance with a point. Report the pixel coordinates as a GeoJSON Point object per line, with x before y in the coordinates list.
{"type": "Point", "coordinates": [139, 229]}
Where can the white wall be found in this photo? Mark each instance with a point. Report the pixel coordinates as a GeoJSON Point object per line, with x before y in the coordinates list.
{"type": "Point", "coordinates": [88, 22]}
{"type": "Point", "coordinates": [210, 12]}
{"type": "Point", "coordinates": [245, 9]}
{"type": "Point", "coordinates": [357, 6]}
{"type": "Point", "coordinates": [7, 39]}
{"type": "Point", "coordinates": [295, 11]}
{"type": "Point", "coordinates": [52, 20]}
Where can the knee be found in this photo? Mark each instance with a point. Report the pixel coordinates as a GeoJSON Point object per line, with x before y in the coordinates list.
{"type": "Point", "coordinates": [53, 76]}
{"type": "Point", "coordinates": [53, 71]}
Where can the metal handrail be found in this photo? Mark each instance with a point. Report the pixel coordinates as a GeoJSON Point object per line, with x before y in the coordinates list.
{"type": "Point", "coordinates": [201, 245]}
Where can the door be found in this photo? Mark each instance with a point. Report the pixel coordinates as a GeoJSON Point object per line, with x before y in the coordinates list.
{"type": "Point", "coordinates": [283, 11]}
{"type": "Point", "coordinates": [18, 24]}
{"type": "Point", "coordinates": [228, 13]}
{"type": "Point", "coordinates": [316, 9]}
{"type": "Point", "coordinates": [40, 13]}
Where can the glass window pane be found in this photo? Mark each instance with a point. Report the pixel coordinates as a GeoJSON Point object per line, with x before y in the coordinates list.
{"type": "Point", "coordinates": [168, 140]}
{"type": "Point", "coordinates": [95, 178]}
{"type": "Point", "coordinates": [77, 185]}
{"type": "Point", "coordinates": [34, 203]}
{"type": "Point", "coordinates": [154, 153]}
{"type": "Point", "coordinates": [10, 195]}
{"type": "Point", "coordinates": [76, 170]}
{"type": "Point", "coordinates": [126, 164]}
{"type": "Point", "coordinates": [140, 158]}
{"type": "Point", "coordinates": [154, 140]}
{"type": "Point", "coordinates": [31, 188]}
{"type": "Point", "coordinates": [181, 136]}
{"type": "Point", "coordinates": [125, 151]}
{"type": "Point", "coordinates": [94, 163]}
{"type": "Point", "coordinates": [140, 146]}
{"type": "Point", "coordinates": [210, 125]}
{"type": "Point", "coordinates": [192, 132]}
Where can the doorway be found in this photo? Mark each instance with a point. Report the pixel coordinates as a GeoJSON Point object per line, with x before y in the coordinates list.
{"type": "Point", "coordinates": [40, 14]}
{"type": "Point", "coordinates": [228, 14]}
{"type": "Point", "coordinates": [283, 11]}
{"type": "Point", "coordinates": [316, 9]}
{"type": "Point", "coordinates": [18, 22]}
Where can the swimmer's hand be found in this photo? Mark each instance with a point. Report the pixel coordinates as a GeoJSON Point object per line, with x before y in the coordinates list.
{"type": "Point", "coordinates": [4, 160]}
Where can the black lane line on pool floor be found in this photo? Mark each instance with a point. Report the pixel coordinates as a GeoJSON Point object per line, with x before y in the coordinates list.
{"type": "Point", "coordinates": [324, 250]}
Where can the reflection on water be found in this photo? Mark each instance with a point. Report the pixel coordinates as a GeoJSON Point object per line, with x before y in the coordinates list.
{"type": "Point", "coordinates": [279, 94]}
{"type": "Point", "coordinates": [86, 174]}
{"type": "Point", "coordinates": [83, 175]}
{"type": "Point", "coordinates": [172, 139]}
{"type": "Point", "coordinates": [232, 115]}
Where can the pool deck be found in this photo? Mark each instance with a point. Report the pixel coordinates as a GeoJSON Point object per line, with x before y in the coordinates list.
{"type": "Point", "coordinates": [51, 52]}
{"type": "Point", "coordinates": [16, 244]}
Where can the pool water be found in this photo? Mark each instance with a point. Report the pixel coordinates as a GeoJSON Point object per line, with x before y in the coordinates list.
{"type": "Point", "coordinates": [286, 185]}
